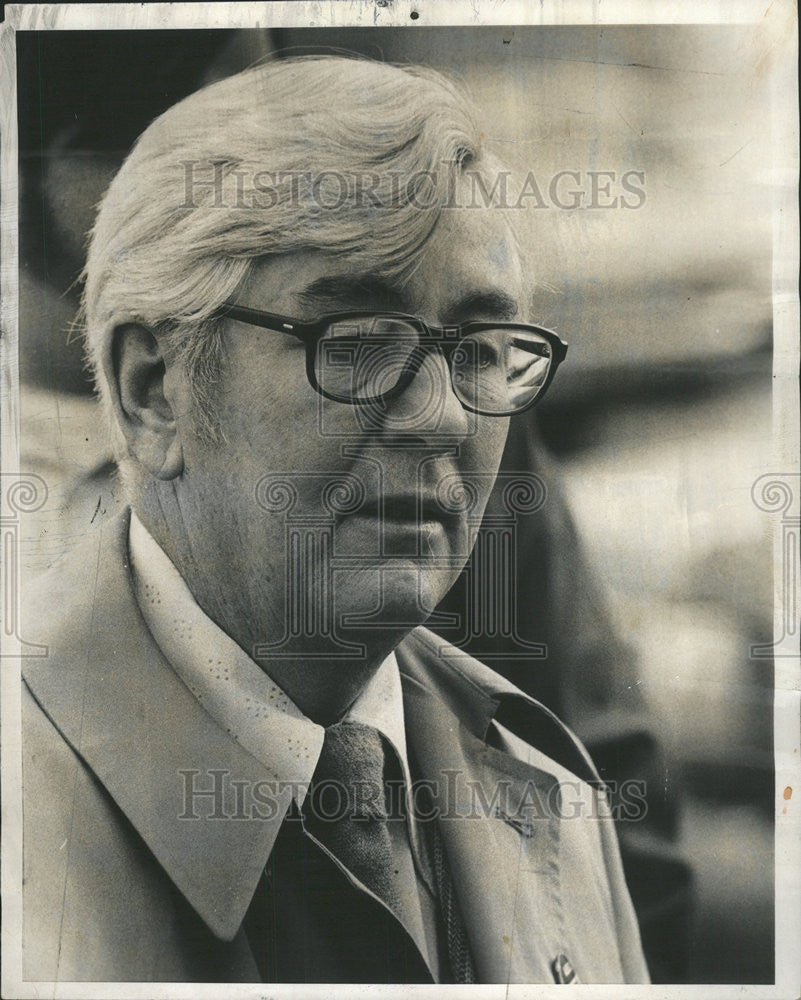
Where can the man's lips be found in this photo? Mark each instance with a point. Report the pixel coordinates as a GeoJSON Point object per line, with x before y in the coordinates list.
{"type": "Point", "coordinates": [405, 525]}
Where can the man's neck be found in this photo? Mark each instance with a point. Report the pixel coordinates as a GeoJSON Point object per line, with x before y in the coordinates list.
{"type": "Point", "coordinates": [322, 685]}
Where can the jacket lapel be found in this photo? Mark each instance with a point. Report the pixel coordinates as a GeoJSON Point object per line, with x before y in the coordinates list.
{"type": "Point", "coordinates": [109, 690]}
{"type": "Point", "coordinates": [500, 830]}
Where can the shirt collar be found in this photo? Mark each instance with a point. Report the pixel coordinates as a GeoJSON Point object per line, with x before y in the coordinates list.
{"type": "Point", "coordinates": [233, 689]}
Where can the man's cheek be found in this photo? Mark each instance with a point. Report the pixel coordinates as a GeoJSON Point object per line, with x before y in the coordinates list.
{"type": "Point", "coordinates": [482, 451]}
{"type": "Point", "coordinates": [496, 433]}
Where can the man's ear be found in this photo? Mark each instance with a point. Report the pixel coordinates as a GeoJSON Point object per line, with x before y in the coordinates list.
{"type": "Point", "coordinates": [142, 402]}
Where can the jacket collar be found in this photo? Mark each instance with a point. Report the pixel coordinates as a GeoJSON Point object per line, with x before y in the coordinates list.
{"type": "Point", "coordinates": [108, 689]}
{"type": "Point", "coordinates": [475, 695]}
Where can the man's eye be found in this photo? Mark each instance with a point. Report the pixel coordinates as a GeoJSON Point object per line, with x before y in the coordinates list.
{"type": "Point", "coordinates": [481, 353]}
{"type": "Point", "coordinates": [486, 355]}
{"type": "Point", "coordinates": [475, 354]}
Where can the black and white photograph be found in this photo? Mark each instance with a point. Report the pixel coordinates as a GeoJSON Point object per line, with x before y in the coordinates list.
{"type": "Point", "coordinates": [400, 500]}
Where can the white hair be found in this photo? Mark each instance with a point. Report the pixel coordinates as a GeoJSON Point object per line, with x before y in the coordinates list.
{"type": "Point", "coordinates": [169, 247]}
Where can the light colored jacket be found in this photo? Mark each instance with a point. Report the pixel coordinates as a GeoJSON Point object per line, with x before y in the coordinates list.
{"type": "Point", "coordinates": [118, 886]}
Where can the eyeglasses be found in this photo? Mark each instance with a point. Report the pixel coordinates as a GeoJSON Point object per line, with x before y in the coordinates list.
{"type": "Point", "coordinates": [496, 369]}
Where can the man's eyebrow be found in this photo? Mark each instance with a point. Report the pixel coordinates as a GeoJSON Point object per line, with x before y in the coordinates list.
{"type": "Point", "coordinates": [348, 291]}
{"type": "Point", "coordinates": [351, 291]}
{"type": "Point", "coordinates": [482, 305]}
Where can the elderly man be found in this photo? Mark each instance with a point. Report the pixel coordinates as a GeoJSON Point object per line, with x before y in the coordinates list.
{"type": "Point", "coordinates": [245, 758]}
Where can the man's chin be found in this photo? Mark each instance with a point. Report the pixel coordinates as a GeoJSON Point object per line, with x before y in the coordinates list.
{"type": "Point", "coordinates": [398, 594]}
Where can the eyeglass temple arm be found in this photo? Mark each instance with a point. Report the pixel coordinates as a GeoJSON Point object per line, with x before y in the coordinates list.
{"type": "Point", "coordinates": [269, 321]}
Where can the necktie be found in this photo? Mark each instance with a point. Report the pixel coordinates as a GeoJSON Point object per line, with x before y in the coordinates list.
{"type": "Point", "coordinates": [354, 762]}
{"type": "Point", "coordinates": [348, 812]}
{"type": "Point", "coordinates": [346, 808]}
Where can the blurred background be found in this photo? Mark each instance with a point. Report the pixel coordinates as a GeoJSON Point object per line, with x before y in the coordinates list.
{"type": "Point", "coordinates": [647, 573]}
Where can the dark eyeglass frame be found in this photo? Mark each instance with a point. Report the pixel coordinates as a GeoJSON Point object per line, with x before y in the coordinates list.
{"type": "Point", "coordinates": [445, 339]}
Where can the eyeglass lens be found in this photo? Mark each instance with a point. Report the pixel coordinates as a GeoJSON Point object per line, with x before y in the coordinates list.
{"type": "Point", "coordinates": [493, 371]}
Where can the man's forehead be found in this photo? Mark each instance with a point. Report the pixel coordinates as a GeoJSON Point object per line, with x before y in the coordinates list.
{"type": "Point", "coordinates": [469, 268]}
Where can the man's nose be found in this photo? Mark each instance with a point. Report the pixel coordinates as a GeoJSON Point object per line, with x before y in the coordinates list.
{"type": "Point", "coordinates": [428, 407]}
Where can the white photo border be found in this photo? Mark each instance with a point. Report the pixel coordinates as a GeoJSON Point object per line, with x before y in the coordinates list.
{"type": "Point", "coordinates": [779, 17]}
